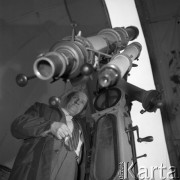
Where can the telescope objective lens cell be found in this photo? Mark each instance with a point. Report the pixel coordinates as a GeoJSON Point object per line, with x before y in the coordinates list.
{"type": "Point", "coordinates": [45, 69]}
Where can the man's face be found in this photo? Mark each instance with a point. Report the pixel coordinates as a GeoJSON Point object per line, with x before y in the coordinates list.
{"type": "Point", "coordinates": [75, 105]}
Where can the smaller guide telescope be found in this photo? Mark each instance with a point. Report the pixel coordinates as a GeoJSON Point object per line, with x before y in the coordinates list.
{"type": "Point", "coordinates": [118, 66]}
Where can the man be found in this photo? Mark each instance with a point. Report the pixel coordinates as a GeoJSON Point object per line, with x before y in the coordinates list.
{"type": "Point", "coordinates": [55, 141]}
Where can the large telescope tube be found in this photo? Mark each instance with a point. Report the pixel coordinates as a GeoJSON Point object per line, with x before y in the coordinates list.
{"type": "Point", "coordinates": [119, 64]}
{"type": "Point", "coordinates": [108, 40]}
{"type": "Point", "coordinates": [66, 57]}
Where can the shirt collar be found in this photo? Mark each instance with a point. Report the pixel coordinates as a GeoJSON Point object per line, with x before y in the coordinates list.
{"type": "Point", "coordinates": [65, 112]}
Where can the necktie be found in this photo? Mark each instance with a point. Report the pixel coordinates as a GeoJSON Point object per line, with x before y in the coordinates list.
{"type": "Point", "coordinates": [72, 142]}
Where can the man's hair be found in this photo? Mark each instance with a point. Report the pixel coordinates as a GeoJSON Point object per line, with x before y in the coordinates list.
{"type": "Point", "coordinates": [65, 100]}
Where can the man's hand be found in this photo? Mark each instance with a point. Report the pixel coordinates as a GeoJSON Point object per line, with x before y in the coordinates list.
{"type": "Point", "coordinates": [60, 130]}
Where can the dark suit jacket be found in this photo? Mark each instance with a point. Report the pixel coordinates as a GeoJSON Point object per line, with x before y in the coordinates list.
{"type": "Point", "coordinates": [34, 159]}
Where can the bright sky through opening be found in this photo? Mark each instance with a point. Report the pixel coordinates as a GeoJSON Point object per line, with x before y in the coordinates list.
{"type": "Point", "coordinates": [123, 13]}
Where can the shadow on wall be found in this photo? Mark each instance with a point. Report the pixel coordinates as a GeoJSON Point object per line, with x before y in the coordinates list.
{"type": "Point", "coordinates": [17, 55]}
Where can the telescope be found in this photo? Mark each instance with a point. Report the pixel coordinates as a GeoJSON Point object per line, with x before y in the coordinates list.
{"type": "Point", "coordinates": [119, 65]}
{"type": "Point", "coordinates": [66, 57]}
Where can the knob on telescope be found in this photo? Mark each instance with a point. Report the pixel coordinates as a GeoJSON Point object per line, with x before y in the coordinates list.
{"type": "Point", "coordinates": [54, 101]}
{"type": "Point", "coordinates": [85, 74]}
{"type": "Point", "coordinates": [22, 79]}
{"type": "Point", "coordinates": [86, 69]}
{"type": "Point", "coordinates": [145, 139]}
